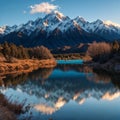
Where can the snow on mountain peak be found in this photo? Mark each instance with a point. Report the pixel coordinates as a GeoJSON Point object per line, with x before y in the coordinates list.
{"type": "Point", "coordinates": [97, 22]}
{"type": "Point", "coordinates": [110, 23]}
{"type": "Point", "coordinates": [2, 29]}
{"type": "Point", "coordinates": [56, 19]}
{"type": "Point", "coordinates": [59, 14]}
{"type": "Point", "coordinates": [7, 29]}
{"type": "Point", "coordinates": [55, 15]}
{"type": "Point", "coordinates": [80, 19]}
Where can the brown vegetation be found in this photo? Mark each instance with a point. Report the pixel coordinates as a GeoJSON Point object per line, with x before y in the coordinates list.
{"type": "Point", "coordinates": [27, 65]}
{"type": "Point", "coordinates": [18, 78]}
{"type": "Point", "coordinates": [10, 51]}
{"type": "Point", "coordinates": [9, 110]}
{"type": "Point", "coordinates": [99, 51]}
{"type": "Point", "coordinates": [40, 52]}
{"type": "Point", "coordinates": [105, 56]}
{"type": "Point", "coordinates": [72, 56]}
{"type": "Point", "coordinates": [14, 59]}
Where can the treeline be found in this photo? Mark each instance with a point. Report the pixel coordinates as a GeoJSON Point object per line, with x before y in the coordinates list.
{"type": "Point", "coordinates": [67, 56]}
{"type": "Point", "coordinates": [102, 52]}
{"type": "Point", "coordinates": [10, 50]}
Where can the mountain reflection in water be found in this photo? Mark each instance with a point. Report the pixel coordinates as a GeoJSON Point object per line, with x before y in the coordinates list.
{"type": "Point", "coordinates": [48, 90]}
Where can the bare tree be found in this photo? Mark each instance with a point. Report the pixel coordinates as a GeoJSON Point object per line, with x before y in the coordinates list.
{"type": "Point", "coordinates": [99, 51]}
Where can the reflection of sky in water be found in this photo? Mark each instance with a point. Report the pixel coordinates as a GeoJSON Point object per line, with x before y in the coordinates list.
{"type": "Point", "coordinates": [63, 74]}
{"type": "Point", "coordinates": [68, 95]}
{"type": "Point", "coordinates": [90, 109]}
{"type": "Point", "coordinates": [70, 61]}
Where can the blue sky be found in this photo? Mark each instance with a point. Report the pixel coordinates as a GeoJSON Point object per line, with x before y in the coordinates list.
{"type": "Point", "coordinates": [19, 11]}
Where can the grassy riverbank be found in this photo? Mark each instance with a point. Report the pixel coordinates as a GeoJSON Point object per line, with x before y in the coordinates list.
{"type": "Point", "coordinates": [26, 65]}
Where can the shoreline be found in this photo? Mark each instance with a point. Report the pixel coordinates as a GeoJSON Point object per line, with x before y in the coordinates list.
{"type": "Point", "coordinates": [29, 65]}
{"type": "Point", "coordinates": [25, 66]}
{"type": "Point", "coordinates": [109, 67]}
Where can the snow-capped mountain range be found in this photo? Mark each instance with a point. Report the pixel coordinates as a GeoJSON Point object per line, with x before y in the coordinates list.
{"type": "Point", "coordinates": [60, 30]}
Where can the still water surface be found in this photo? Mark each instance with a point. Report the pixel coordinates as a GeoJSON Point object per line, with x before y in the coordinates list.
{"type": "Point", "coordinates": [68, 92]}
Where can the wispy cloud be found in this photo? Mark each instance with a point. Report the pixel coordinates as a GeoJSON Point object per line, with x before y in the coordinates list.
{"type": "Point", "coordinates": [44, 7]}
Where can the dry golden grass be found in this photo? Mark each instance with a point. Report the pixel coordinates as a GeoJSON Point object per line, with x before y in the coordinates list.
{"type": "Point", "coordinates": [23, 66]}
{"type": "Point", "coordinates": [86, 58]}
{"type": "Point", "coordinates": [9, 110]}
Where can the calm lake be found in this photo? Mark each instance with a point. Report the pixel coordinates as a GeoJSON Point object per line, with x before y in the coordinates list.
{"type": "Point", "coordinates": [70, 91]}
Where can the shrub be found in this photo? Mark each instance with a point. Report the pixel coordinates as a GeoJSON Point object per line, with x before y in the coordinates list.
{"type": "Point", "coordinates": [10, 51]}
{"type": "Point", "coordinates": [40, 53]}
{"type": "Point", "coordinates": [99, 51]}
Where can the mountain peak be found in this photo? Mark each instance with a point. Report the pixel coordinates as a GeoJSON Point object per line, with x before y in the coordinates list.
{"type": "Point", "coordinates": [98, 21]}
{"type": "Point", "coordinates": [80, 19]}
{"type": "Point", "coordinates": [56, 20]}
{"type": "Point", "coordinates": [59, 14]}
{"type": "Point", "coordinates": [110, 23]}
{"type": "Point", "coordinates": [55, 14]}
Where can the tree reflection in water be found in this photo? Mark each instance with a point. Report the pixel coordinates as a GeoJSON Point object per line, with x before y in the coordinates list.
{"type": "Point", "coordinates": [42, 75]}
{"type": "Point", "coordinates": [15, 79]}
{"type": "Point", "coordinates": [56, 87]}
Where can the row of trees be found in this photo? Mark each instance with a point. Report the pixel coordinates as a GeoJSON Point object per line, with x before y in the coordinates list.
{"type": "Point", "coordinates": [103, 51]}
{"type": "Point", "coordinates": [98, 51]}
{"type": "Point", "coordinates": [40, 52]}
{"type": "Point", "coordinates": [10, 50]}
